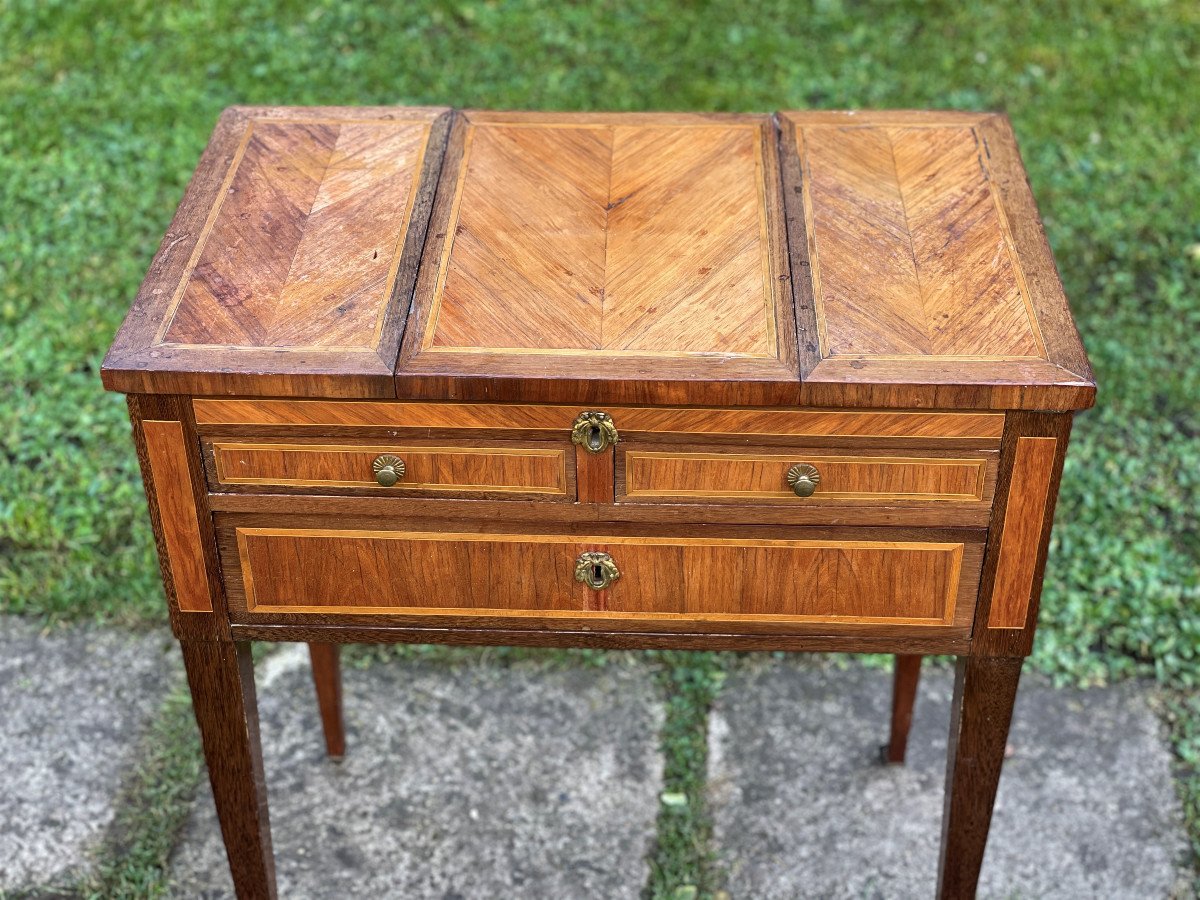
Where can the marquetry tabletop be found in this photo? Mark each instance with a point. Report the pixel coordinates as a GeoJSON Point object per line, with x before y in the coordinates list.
{"type": "Point", "coordinates": [881, 259]}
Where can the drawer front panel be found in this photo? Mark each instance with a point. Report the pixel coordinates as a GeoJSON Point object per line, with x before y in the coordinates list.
{"type": "Point", "coordinates": [438, 470]}
{"type": "Point", "coordinates": [715, 580]}
{"type": "Point", "coordinates": [652, 476]}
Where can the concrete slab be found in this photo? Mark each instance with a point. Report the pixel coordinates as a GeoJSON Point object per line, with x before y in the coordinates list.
{"type": "Point", "coordinates": [1086, 807]}
{"type": "Point", "coordinates": [458, 782]}
{"type": "Point", "coordinates": [72, 705]}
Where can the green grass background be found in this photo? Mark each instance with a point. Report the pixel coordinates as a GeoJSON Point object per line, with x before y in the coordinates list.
{"type": "Point", "coordinates": [105, 106]}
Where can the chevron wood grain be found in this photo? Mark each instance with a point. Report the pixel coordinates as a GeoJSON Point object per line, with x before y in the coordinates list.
{"type": "Point", "coordinates": [639, 239]}
{"type": "Point", "coordinates": [913, 264]}
{"type": "Point", "coordinates": [609, 246]}
{"type": "Point", "coordinates": [304, 248]}
{"type": "Point", "coordinates": [913, 254]}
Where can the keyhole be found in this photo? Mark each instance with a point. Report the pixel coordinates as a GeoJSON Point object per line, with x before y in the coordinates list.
{"type": "Point", "coordinates": [597, 576]}
{"type": "Point", "coordinates": [595, 442]}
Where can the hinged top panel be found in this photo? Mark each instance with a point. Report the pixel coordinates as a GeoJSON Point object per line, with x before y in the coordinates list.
{"type": "Point", "coordinates": [606, 250]}
{"type": "Point", "coordinates": [289, 250]}
{"type": "Point", "coordinates": [924, 262]}
{"type": "Point", "coordinates": [608, 239]}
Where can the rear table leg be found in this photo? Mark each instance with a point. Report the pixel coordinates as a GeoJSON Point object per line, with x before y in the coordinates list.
{"type": "Point", "coordinates": [327, 676]}
{"type": "Point", "coordinates": [904, 696]}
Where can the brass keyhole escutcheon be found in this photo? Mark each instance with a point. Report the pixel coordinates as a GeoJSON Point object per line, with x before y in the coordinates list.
{"type": "Point", "coordinates": [596, 569]}
{"type": "Point", "coordinates": [388, 469]}
{"type": "Point", "coordinates": [803, 479]}
{"type": "Point", "coordinates": [594, 431]}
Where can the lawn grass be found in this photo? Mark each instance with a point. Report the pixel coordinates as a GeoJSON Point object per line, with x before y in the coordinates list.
{"type": "Point", "coordinates": [153, 807]}
{"type": "Point", "coordinates": [105, 106]}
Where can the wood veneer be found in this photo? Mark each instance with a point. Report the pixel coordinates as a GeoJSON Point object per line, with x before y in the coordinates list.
{"type": "Point", "coordinates": [914, 232]}
{"type": "Point", "coordinates": [503, 574]}
{"type": "Point", "coordinates": [168, 462]}
{"type": "Point", "coordinates": [713, 476]}
{"type": "Point", "coordinates": [641, 243]}
{"type": "Point", "coordinates": [453, 471]}
{"type": "Point", "coordinates": [857, 259]}
{"type": "Point", "coordinates": [289, 263]}
{"type": "Point", "coordinates": [1032, 470]}
{"type": "Point", "coordinates": [639, 422]}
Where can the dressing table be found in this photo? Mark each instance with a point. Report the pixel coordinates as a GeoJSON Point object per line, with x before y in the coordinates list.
{"type": "Point", "coordinates": [796, 382]}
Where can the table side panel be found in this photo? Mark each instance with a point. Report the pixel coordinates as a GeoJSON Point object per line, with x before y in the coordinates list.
{"type": "Point", "coordinates": [167, 454]}
{"type": "Point", "coordinates": [1022, 527]}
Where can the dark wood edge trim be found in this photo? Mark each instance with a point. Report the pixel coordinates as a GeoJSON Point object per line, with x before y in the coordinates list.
{"type": "Point", "coordinates": [882, 118]}
{"type": "Point", "coordinates": [611, 118]}
{"type": "Point", "coordinates": [791, 174]}
{"type": "Point", "coordinates": [361, 375]}
{"type": "Point", "coordinates": [603, 515]}
{"type": "Point", "coordinates": [782, 293]}
{"type": "Point", "coordinates": [400, 304]}
{"type": "Point", "coordinates": [600, 639]}
{"type": "Point", "coordinates": [380, 113]}
{"type": "Point", "coordinates": [429, 263]}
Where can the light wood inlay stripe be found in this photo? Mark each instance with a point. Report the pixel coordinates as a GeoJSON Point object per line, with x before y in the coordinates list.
{"type": "Point", "coordinates": [1019, 541]}
{"type": "Point", "coordinates": [167, 453]}
{"type": "Point", "coordinates": [750, 422]}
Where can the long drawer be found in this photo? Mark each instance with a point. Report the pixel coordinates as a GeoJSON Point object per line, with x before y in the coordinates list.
{"type": "Point", "coordinates": [715, 582]}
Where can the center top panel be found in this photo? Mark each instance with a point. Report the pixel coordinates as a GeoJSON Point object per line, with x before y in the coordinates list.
{"type": "Point", "coordinates": [615, 240]}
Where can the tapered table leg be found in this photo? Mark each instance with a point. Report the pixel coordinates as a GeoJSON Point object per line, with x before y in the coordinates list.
{"type": "Point", "coordinates": [327, 676]}
{"type": "Point", "coordinates": [221, 677]}
{"type": "Point", "coordinates": [904, 696]}
{"type": "Point", "coordinates": [984, 691]}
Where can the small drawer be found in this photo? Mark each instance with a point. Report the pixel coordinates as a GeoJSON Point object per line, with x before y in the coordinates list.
{"type": "Point", "coordinates": [400, 469]}
{"type": "Point", "coordinates": [810, 477]}
{"type": "Point", "coordinates": [703, 582]}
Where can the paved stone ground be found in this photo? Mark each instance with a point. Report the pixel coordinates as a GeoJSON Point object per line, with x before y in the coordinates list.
{"type": "Point", "coordinates": [72, 705]}
{"type": "Point", "coordinates": [525, 781]}
{"type": "Point", "coordinates": [477, 781]}
{"type": "Point", "coordinates": [1086, 806]}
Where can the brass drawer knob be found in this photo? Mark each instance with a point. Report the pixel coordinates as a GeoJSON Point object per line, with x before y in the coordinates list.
{"type": "Point", "coordinates": [388, 469]}
{"type": "Point", "coordinates": [597, 570]}
{"type": "Point", "coordinates": [803, 479]}
{"type": "Point", "coordinates": [594, 431]}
